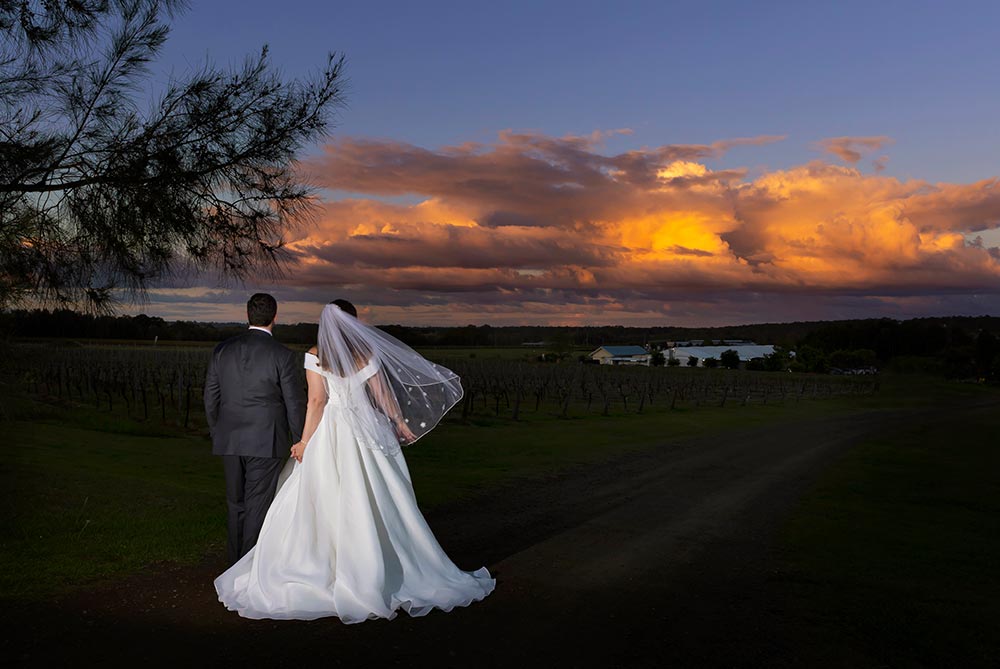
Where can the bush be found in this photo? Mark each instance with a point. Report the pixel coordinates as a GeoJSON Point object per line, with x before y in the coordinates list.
{"type": "Point", "coordinates": [810, 359]}
{"type": "Point", "coordinates": [916, 364]}
{"type": "Point", "coordinates": [711, 363]}
{"type": "Point", "coordinates": [853, 359]}
{"type": "Point", "coordinates": [730, 359]}
{"type": "Point", "coordinates": [776, 362]}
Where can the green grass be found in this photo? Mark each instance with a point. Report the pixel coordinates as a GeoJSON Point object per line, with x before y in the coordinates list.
{"type": "Point", "coordinates": [461, 460]}
{"type": "Point", "coordinates": [91, 495]}
{"type": "Point", "coordinates": [913, 391]}
{"type": "Point", "coordinates": [896, 550]}
{"type": "Point", "coordinates": [80, 504]}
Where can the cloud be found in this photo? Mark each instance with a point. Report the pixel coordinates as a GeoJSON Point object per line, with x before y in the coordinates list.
{"type": "Point", "coordinates": [533, 228]}
{"type": "Point", "coordinates": [851, 149]}
{"type": "Point", "coordinates": [545, 178]}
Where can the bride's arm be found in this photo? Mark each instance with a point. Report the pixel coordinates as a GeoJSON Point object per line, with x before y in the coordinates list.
{"type": "Point", "coordinates": [386, 402]}
{"type": "Point", "coordinates": [315, 404]}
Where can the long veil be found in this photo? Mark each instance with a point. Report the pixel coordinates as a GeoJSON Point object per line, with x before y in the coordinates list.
{"type": "Point", "coordinates": [411, 391]}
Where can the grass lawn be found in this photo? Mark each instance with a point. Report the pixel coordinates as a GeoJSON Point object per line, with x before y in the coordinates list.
{"type": "Point", "coordinates": [896, 550]}
{"type": "Point", "coordinates": [81, 504]}
{"type": "Point", "coordinates": [91, 495]}
{"type": "Point", "coordinates": [896, 538]}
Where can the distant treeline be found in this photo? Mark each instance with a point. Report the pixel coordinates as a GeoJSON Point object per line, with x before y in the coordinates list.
{"type": "Point", "coordinates": [956, 346]}
{"type": "Point", "coordinates": [62, 323]}
{"type": "Point", "coordinates": [74, 325]}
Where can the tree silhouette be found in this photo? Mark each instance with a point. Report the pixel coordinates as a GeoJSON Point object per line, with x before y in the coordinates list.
{"type": "Point", "coordinates": [987, 348]}
{"type": "Point", "coordinates": [730, 359]}
{"type": "Point", "coordinates": [810, 359]}
{"type": "Point", "coordinates": [98, 196]}
{"type": "Point", "coordinates": [777, 361]}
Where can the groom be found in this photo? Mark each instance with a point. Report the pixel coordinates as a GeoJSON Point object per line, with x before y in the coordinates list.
{"type": "Point", "coordinates": [255, 405]}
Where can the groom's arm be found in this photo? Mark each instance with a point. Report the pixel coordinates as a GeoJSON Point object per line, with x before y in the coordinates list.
{"type": "Point", "coordinates": [294, 396]}
{"type": "Point", "coordinates": [213, 393]}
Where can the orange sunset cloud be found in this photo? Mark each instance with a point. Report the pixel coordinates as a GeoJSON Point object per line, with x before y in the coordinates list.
{"type": "Point", "coordinates": [552, 221]}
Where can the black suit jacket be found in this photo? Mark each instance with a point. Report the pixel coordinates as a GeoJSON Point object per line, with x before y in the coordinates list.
{"type": "Point", "coordinates": [254, 398]}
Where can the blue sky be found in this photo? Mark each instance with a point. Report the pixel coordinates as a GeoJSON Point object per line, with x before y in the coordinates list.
{"type": "Point", "coordinates": [927, 74]}
{"type": "Point", "coordinates": [885, 219]}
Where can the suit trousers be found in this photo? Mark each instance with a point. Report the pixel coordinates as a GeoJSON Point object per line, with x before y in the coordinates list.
{"type": "Point", "coordinates": [250, 486]}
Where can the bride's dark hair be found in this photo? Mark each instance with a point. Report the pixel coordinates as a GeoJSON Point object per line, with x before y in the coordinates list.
{"type": "Point", "coordinates": [411, 391]}
{"type": "Point", "coordinates": [346, 306]}
{"type": "Point", "coordinates": [359, 353]}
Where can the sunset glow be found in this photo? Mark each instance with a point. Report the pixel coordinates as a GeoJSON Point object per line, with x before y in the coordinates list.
{"type": "Point", "coordinates": [538, 220]}
{"type": "Point", "coordinates": [450, 212]}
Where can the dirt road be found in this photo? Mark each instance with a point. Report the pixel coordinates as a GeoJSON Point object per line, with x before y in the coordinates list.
{"type": "Point", "coordinates": [659, 559]}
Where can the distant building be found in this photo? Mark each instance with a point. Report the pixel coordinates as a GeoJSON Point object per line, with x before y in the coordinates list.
{"type": "Point", "coordinates": [747, 352]}
{"type": "Point", "coordinates": [621, 355]}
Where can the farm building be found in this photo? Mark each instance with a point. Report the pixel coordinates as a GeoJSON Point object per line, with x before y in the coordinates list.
{"type": "Point", "coordinates": [621, 355]}
{"type": "Point", "coordinates": [746, 352]}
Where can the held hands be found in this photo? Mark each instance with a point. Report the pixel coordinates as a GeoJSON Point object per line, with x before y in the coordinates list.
{"type": "Point", "coordinates": [298, 449]}
{"type": "Point", "coordinates": [406, 435]}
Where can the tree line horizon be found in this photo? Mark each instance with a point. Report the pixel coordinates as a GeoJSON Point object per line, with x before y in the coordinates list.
{"type": "Point", "coordinates": [956, 346]}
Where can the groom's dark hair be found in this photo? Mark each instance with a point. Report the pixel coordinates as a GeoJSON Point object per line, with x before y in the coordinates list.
{"type": "Point", "coordinates": [346, 306]}
{"type": "Point", "coordinates": [261, 309]}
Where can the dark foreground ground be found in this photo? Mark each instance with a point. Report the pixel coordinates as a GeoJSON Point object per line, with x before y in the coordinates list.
{"type": "Point", "coordinates": [663, 559]}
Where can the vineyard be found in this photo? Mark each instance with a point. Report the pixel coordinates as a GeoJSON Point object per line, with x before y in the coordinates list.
{"type": "Point", "coordinates": [165, 384]}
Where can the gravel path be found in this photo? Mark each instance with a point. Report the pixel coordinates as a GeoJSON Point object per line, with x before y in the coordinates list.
{"type": "Point", "coordinates": [658, 559]}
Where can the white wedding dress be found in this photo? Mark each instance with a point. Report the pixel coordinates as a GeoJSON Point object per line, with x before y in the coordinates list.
{"type": "Point", "coordinates": [344, 536]}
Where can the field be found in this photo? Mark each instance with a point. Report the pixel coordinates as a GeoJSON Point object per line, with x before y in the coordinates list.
{"type": "Point", "coordinates": [113, 471]}
{"type": "Point", "coordinates": [156, 383]}
{"type": "Point", "coordinates": [895, 548]}
{"type": "Point", "coordinates": [888, 554]}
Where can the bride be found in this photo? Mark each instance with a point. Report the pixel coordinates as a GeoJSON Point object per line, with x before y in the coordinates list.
{"type": "Point", "coordinates": [344, 536]}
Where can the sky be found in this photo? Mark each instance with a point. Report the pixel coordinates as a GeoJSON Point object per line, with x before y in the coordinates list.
{"type": "Point", "coordinates": [633, 163]}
